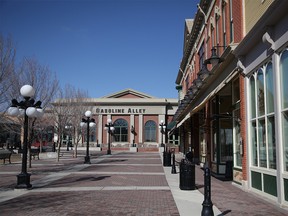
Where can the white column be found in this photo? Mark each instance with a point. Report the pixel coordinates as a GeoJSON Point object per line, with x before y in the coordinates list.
{"type": "Point", "coordinates": [107, 134]}
{"type": "Point", "coordinates": [140, 128]}
{"type": "Point", "coordinates": [278, 127]}
{"type": "Point", "coordinates": [100, 129]}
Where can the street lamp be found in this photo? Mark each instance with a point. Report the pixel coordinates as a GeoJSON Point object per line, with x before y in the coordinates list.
{"type": "Point", "coordinates": [162, 126]}
{"type": "Point", "coordinates": [133, 132]}
{"type": "Point", "coordinates": [68, 127]}
{"type": "Point", "coordinates": [28, 108]}
{"type": "Point", "coordinates": [90, 122]}
{"type": "Point", "coordinates": [110, 128]}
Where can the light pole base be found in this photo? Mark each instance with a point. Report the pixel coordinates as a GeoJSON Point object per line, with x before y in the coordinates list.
{"type": "Point", "coordinates": [23, 181]}
{"type": "Point", "coordinates": [108, 152]}
{"type": "Point", "coordinates": [207, 209]}
{"type": "Point", "coordinates": [87, 160]}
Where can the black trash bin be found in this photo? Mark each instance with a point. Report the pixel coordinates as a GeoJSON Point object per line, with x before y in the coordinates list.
{"type": "Point", "coordinates": [189, 157]}
{"type": "Point", "coordinates": [229, 170]}
{"type": "Point", "coordinates": [167, 158]}
{"type": "Point", "coordinates": [187, 175]}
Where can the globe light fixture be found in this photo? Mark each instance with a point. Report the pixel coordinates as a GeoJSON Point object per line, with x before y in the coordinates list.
{"type": "Point", "coordinates": [109, 127]}
{"type": "Point", "coordinates": [162, 128]}
{"type": "Point", "coordinates": [26, 108]}
{"type": "Point", "coordinates": [90, 122]}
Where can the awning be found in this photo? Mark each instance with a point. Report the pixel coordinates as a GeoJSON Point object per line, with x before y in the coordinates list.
{"type": "Point", "coordinates": [183, 120]}
{"type": "Point", "coordinates": [198, 106]}
{"type": "Point", "coordinates": [171, 125]}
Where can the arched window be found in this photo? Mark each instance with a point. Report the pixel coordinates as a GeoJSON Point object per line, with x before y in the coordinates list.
{"type": "Point", "coordinates": [262, 119]}
{"type": "Point", "coordinates": [150, 131]}
{"type": "Point", "coordinates": [284, 104]}
{"type": "Point", "coordinates": [121, 130]}
{"type": "Point", "coordinates": [284, 79]}
{"type": "Point", "coordinates": [260, 93]}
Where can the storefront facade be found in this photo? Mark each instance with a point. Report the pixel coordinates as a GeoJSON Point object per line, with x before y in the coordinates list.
{"type": "Point", "coordinates": [136, 117]}
{"type": "Point", "coordinates": [263, 57]}
{"type": "Point", "coordinates": [232, 109]}
{"type": "Point", "coordinates": [209, 115]}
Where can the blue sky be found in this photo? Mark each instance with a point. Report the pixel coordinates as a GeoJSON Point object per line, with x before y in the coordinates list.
{"type": "Point", "coordinates": [102, 46]}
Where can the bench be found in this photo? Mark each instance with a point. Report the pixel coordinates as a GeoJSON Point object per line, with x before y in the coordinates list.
{"type": "Point", "coordinates": [5, 154]}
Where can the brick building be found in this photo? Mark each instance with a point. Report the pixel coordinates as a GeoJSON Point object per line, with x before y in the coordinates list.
{"type": "Point", "coordinates": [232, 85]}
{"type": "Point", "coordinates": [136, 117]}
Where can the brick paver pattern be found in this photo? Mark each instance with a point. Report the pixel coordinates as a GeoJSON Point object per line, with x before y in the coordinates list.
{"type": "Point", "coordinates": [120, 184]}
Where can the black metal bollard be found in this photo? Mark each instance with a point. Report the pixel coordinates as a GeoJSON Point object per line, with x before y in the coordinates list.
{"type": "Point", "coordinates": [173, 171]}
{"type": "Point", "coordinates": [207, 204]}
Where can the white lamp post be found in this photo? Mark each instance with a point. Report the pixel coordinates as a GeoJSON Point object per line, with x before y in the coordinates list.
{"type": "Point", "coordinates": [162, 127]}
{"type": "Point", "coordinates": [28, 108]}
{"type": "Point", "coordinates": [90, 122]}
{"type": "Point", "coordinates": [110, 128]}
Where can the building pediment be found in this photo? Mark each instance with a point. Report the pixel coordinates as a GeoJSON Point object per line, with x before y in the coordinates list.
{"type": "Point", "coordinates": [128, 93]}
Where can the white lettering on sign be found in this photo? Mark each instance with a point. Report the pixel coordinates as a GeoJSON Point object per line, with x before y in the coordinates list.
{"type": "Point", "coordinates": [120, 111]}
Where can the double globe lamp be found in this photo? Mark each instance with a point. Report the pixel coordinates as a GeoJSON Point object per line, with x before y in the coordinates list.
{"type": "Point", "coordinates": [90, 123]}
{"type": "Point", "coordinates": [29, 109]}
{"type": "Point", "coordinates": [109, 127]}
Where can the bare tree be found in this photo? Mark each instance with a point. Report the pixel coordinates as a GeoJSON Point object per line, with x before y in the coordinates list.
{"type": "Point", "coordinates": [7, 59]}
{"type": "Point", "coordinates": [68, 111]}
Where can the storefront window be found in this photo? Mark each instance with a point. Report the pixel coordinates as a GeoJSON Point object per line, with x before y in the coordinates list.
{"type": "Point", "coordinates": [252, 101]}
{"type": "Point", "coordinates": [263, 123]}
{"type": "Point", "coordinates": [237, 138]}
{"type": "Point", "coordinates": [121, 130]}
{"type": "Point", "coordinates": [271, 142]}
{"type": "Point", "coordinates": [260, 93]}
{"type": "Point", "coordinates": [284, 79]}
{"type": "Point", "coordinates": [254, 144]}
{"type": "Point", "coordinates": [150, 131]}
{"type": "Point", "coordinates": [284, 100]}
{"type": "Point", "coordinates": [285, 139]}
{"type": "Point", "coordinates": [226, 140]}
{"type": "Point", "coordinates": [237, 141]}
{"type": "Point", "coordinates": [269, 89]}
{"type": "Point", "coordinates": [262, 143]}
{"type": "Point", "coordinates": [214, 144]}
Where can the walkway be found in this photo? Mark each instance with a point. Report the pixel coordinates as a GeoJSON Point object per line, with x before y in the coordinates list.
{"type": "Point", "coordinates": [117, 184]}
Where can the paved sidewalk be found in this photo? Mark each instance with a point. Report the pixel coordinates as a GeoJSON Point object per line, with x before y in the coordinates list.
{"type": "Point", "coordinates": [119, 184]}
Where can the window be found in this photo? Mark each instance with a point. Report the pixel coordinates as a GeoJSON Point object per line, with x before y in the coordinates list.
{"type": "Point", "coordinates": [269, 89]}
{"type": "Point", "coordinates": [224, 23]}
{"type": "Point", "coordinates": [121, 130]}
{"type": "Point", "coordinates": [237, 138]}
{"type": "Point", "coordinates": [150, 131]}
{"type": "Point", "coordinates": [263, 143]}
{"type": "Point", "coordinates": [231, 22]}
{"type": "Point", "coordinates": [284, 104]}
{"type": "Point", "coordinates": [252, 98]}
{"type": "Point", "coordinates": [217, 28]}
{"type": "Point", "coordinates": [226, 140]}
{"type": "Point", "coordinates": [284, 79]}
{"type": "Point", "coordinates": [201, 56]}
{"type": "Point", "coordinates": [187, 83]}
{"type": "Point", "coordinates": [260, 92]}
{"type": "Point", "coordinates": [212, 36]}
{"type": "Point", "coordinates": [254, 144]}
{"type": "Point", "coordinates": [92, 135]}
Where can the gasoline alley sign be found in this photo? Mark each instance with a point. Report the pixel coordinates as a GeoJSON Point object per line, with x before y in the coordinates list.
{"type": "Point", "coordinates": [120, 111]}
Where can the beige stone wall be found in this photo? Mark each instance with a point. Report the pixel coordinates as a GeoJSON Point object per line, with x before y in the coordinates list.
{"type": "Point", "coordinates": [254, 9]}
